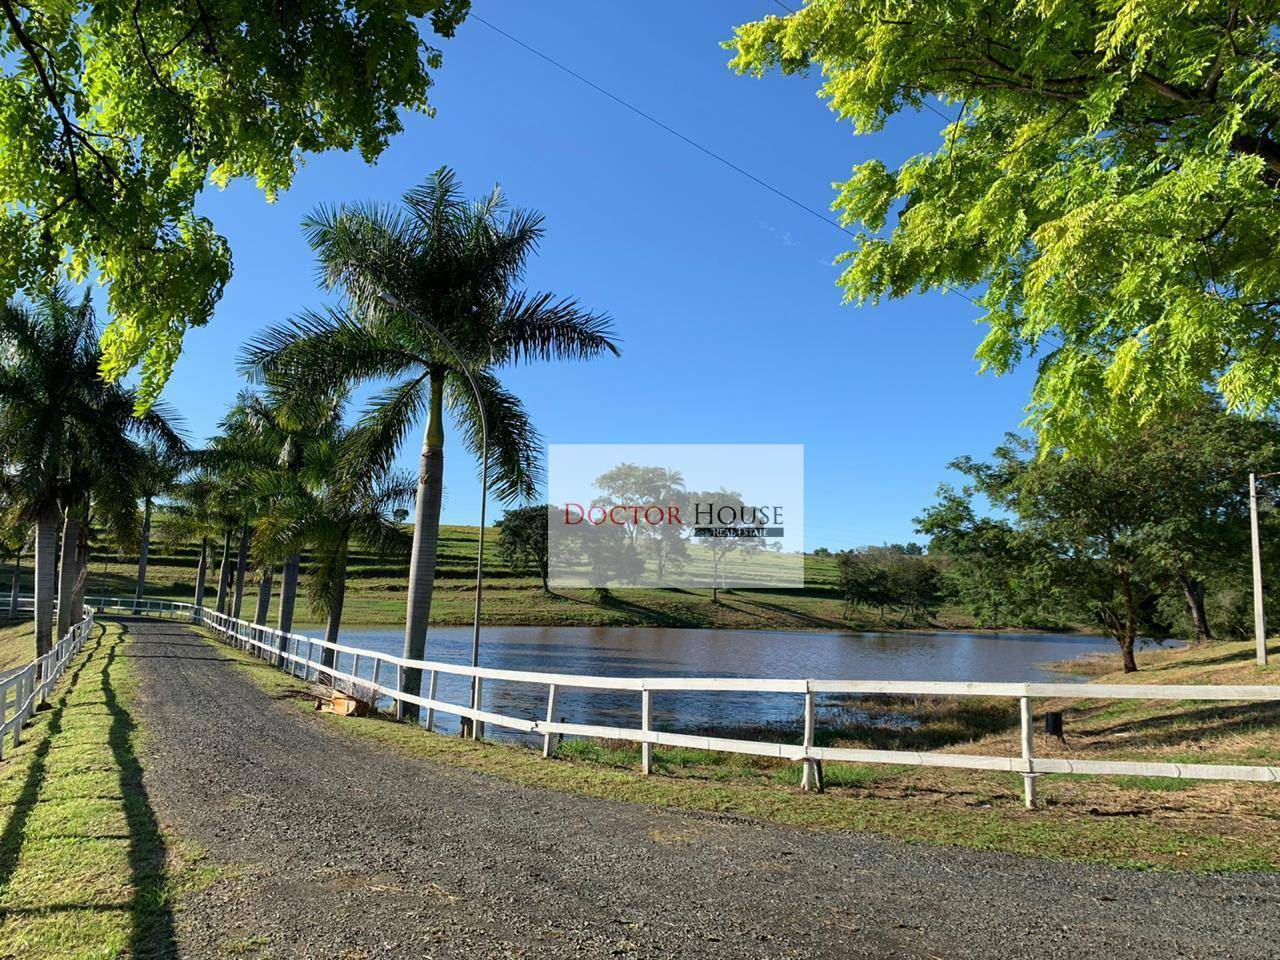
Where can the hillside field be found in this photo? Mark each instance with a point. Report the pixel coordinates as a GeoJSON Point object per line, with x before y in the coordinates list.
{"type": "Point", "coordinates": [376, 591]}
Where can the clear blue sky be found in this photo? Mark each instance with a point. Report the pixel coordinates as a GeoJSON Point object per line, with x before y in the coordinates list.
{"type": "Point", "coordinates": [723, 294]}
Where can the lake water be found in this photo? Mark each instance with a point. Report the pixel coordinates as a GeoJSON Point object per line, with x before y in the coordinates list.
{"type": "Point", "coordinates": [661, 652]}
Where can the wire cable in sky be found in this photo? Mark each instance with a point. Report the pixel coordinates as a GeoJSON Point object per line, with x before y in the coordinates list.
{"type": "Point", "coordinates": [680, 136]}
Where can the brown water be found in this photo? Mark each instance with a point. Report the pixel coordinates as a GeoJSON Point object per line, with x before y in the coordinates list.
{"type": "Point", "coordinates": [666, 652]}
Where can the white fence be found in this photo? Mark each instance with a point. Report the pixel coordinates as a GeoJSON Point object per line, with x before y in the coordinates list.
{"type": "Point", "coordinates": [301, 655]}
{"type": "Point", "coordinates": [23, 689]}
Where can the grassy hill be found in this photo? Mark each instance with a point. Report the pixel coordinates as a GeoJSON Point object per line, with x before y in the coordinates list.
{"type": "Point", "coordinates": [376, 593]}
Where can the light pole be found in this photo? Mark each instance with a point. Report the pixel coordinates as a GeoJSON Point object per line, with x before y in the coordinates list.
{"type": "Point", "coordinates": [395, 304]}
{"type": "Point", "coordinates": [1259, 614]}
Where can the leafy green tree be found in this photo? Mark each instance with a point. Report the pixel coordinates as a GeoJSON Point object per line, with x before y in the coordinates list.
{"type": "Point", "coordinates": [522, 541]}
{"type": "Point", "coordinates": [115, 115]}
{"type": "Point", "coordinates": [1107, 179]}
{"type": "Point", "coordinates": [459, 266]}
{"type": "Point", "coordinates": [1103, 537]}
{"type": "Point", "coordinates": [636, 486]}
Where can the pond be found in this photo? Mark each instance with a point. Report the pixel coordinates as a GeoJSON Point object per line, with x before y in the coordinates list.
{"type": "Point", "coordinates": [668, 652]}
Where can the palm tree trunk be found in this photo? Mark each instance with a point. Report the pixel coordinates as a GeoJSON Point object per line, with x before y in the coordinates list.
{"type": "Point", "coordinates": [331, 627]}
{"type": "Point", "coordinates": [82, 571]}
{"type": "Point", "coordinates": [16, 585]}
{"type": "Point", "coordinates": [242, 561]}
{"type": "Point", "coordinates": [144, 548]}
{"type": "Point", "coordinates": [67, 569]}
{"type": "Point", "coordinates": [288, 592]}
{"type": "Point", "coordinates": [224, 572]}
{"type": "Point", "coordinates": [264, 595]}
{"type": "Point", "coordinates": [200, 571]}
{"type": "Point", "coordinates": [46, 547]}
{"type": "Point", "coordinates": [426, 542]}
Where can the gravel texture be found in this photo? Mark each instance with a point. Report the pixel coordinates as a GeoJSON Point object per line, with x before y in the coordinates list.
{"type": "Point", "coordinates": [334, 849]}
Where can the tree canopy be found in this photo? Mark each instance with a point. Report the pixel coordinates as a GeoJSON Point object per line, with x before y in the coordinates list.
{"type": "Point", "coordinates": [1105, 538]}
{"type": "Point", "coordinates": [114, 115]}
{"type": "Point", "coordinates": [1109, 180]}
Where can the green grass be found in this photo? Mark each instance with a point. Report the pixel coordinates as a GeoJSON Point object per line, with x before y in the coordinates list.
{"type": "Point", "coordinates": [1136, 822]}
{"type": "Point", "coordinates": [17, 643]}
{"type": "Point", "coordinates": [376, 591]}
{"type": "Point", "coordinates": [85, 869]}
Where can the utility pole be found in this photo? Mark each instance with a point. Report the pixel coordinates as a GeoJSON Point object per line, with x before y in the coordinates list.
{"type": "Point", "coordinates": [1259, 614]}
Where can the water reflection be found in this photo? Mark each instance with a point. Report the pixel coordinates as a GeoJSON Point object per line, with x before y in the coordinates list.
{"type": "Point", "coordinates": [660, 651]}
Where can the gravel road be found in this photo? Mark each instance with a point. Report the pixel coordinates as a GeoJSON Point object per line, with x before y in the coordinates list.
{"type": "Point", "coordinates": [335, 849]}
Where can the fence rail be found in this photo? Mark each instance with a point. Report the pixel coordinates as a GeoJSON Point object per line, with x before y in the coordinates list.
{"type": "Point", "coordinates": [302, 656]}
{"type": "Point", "coordinates": [23, 689]}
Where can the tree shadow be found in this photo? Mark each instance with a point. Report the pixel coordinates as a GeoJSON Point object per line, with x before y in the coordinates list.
{"type": "Point", "coordinates": [152, 915]}
{"type": "Point", "coordinates": [151, 932]}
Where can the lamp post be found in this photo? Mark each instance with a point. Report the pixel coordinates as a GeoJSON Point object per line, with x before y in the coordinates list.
{"type": "Point", "coordinates": [395, 304]}
{"type": "Point", "coordinates": [1259, 614]}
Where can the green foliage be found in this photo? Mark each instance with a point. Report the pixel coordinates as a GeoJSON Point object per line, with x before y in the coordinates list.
{"type": "Point", "coordinates": [1110, 178]}
{"type": "Point", "coordinates": [458, 265]}
{"type": "Point", "coordinates": [114, 115]}
{"type": "Point", "coordinates": [65, 434]}
{"type": "Point", "coordinates": [897, 577]}
{"type": "Point", "coordinates": [522, 540]}
{"type": "Point", "coordinates": [1105, 537]}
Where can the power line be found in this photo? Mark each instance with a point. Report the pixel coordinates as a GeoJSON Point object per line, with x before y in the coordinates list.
{"type": "Point", "coordinates": [658, 123]}
{"type": "Point", "coordinates": [680, 136]}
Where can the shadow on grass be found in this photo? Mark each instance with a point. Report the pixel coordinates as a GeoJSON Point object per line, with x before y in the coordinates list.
{"type": "Point", "coordinates": [152, 914]}
{"type": "Point", "coordinates": [151, 931]}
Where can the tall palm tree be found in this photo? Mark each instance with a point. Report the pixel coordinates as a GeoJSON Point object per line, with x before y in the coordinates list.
{"type": "Point", "coordinates": [455, 267]}
{"type": "Point", "coordinates": [326, 501]}
{"type": "Point", "coordinates": [194, 513]}
{"type": "Point", "coordinates": [63, 430]}
{"type": "Point", "coordinates": [161, 467]}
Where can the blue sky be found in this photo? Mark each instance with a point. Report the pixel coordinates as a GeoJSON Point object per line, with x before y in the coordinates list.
{"type": "Point", "coordinates": [723, 294]}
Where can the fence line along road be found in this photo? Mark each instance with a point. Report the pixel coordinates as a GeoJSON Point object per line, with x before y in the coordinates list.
{"type": "Point", "coordinates": [25, 688]}
{"type": "Point", "coordinates": [297, 654]}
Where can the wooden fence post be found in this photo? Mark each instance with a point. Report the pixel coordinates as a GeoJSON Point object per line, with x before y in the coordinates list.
{"type": "Point", "coordinates": [809, 780]}
{"type": "Point", "coordinates": [1028, 734]}
{"type": "Point", "coordinates": [646, 724]}
{"type": "Point", "coordinates": [552, 690]}
{"type": "Point", "coordinates": [477, 725]}
{"type": "Point", "coordinates": [431, 695]}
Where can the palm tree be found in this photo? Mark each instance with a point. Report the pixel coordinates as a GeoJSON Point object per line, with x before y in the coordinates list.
{"type": "Point", "coordinates": [327, 500]}
{"type": "Point", "coordinates": [63, 432]}
{"type": "Point", "coordinates": [456, 268]}
{"type": "Point", "coordinates": [194, 513]}
{"type": "Point", "coordinates": [162, 466]}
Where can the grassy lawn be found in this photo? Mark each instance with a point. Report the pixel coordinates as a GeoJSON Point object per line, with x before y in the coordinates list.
{"type": "Point", "coordinates": [17, 643]}
{"type": "Point", "coordinates": [1131, 822]}
{"type": "Point", "coordinates": [85, 870]}
{"type": "Point", "coordinates": [376, 594]}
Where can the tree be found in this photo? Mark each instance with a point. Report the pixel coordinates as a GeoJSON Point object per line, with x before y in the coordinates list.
{"type": "Point", "coordinates": [1108, 182]}
{"type": "Point", "coordinates": [522, 541]}
{"type": "Point", "coordinates": [1103, 537]}
{"type": "Point", "coordinates": [326, 501]}
{"type": "Point", "coordinates": [458, 266]}
{"type": "Point", "coordinates": [116, 115]}
{"type": "Point", "coordinates": [635, 486]}
{"type": "Point", "coordinates": [722, 546]}
{"type": "Point", "coordinates": [162, 465]}
{"type": "Point", "coordinates": [65, 434]}
{"type": "Point", "coordinates": [195, 512]}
